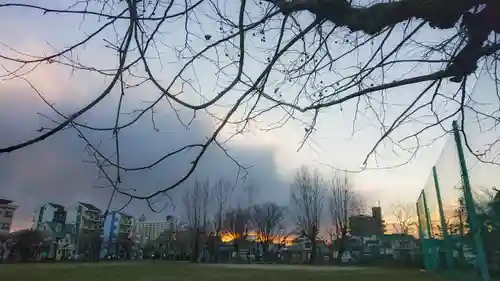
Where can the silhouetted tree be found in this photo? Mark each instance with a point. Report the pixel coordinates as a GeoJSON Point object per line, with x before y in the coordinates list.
{"type": "Point", "coordinates": [343, 202]}
{"type": "Point", "coordinates": [27, 244]}
{"type": "Point", "coordinates": [237, 224]}
{"type": "Point", "coordinates": [267, 219]}
{"type": "Point", "coordinates": [221, 194]}
{"type": "Point", "coordinates": [406, 217]}
{"type": "Point", "coordinates": [196, 201]}
{"type": "Point", "coordinates": [308, 192]}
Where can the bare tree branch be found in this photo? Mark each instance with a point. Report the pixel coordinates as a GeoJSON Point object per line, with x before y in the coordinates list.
{"type": "Point", "coordinates": [405, 215]}
{"type": "Point", "coordinates": [297, 58]}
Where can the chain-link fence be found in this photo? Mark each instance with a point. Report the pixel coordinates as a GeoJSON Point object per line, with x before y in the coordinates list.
{"type": "Point", "coordinates": [459, 206]}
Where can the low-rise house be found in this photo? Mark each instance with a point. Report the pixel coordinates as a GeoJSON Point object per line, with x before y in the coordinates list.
{"type": "Point", "coordinates": [66, 247]}
{"type": "Point", "coordinates": [55, 236]}
{"type": "Point", "coordinates": [301, 248]}
{"type": "Point", "coordinates": [400, 246]}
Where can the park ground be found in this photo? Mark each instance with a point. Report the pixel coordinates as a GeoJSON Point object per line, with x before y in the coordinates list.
{"type": "Point", "coordinates": [171, 271]}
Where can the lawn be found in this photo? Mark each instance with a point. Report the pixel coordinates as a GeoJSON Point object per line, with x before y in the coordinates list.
{"type": "Point", "coordinates": [170, 271]}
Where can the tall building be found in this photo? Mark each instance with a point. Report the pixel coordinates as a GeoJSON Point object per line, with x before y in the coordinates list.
{"type": "Point", "coordinates": [49, 213]}
{"type": "Point", "coordinates": [115, 235]}
{"type": "Point", "coordinates": [366, 226]}
{"type": "Point", "coordinates": [86, 219]}
{"type": "Point", "coordinates": [6, 215]}
{"type": "Point", "coordinates": [85, 216]}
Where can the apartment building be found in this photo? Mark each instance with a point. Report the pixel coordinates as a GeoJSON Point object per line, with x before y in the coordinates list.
{"type": "Point", "coordinates": [7, 210]}
{"type": "Point", "coordinates": [115, 235]}
{"type": "Point", "coordinates": [85, 216]}
{"type": "Point", "coordinates": [87, 220]}
{"type": "Point", "coordinates": [49, 213]}
{"type": "Point", "coordinates": [73, 230]}
{"type": "Point", "coordinates": [150, 230]}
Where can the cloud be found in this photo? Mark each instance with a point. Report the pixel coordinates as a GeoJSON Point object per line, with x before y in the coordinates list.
{"type": "Point", "coordinates": [54, 170]}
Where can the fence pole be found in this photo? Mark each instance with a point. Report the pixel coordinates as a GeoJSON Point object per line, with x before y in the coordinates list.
{"type": "Point", "coordinates": [431, 245]}
{"type": "Point", "coordinates": [423, 243]}
{"type": "Point", "coordinates": [471, 210]}
{"type": "Point", "coordinates": [444, 227]}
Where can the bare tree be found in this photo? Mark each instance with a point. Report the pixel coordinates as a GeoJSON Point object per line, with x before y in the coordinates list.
{"type": "Point", "coordinates": [267, 220]}
{"type": "Point", "coordinates": [196, 201]}
{"type": "Point", "coordinates": [221, 194]}
{"type": "Point", "coordinates": [343, 202]}
{"type": "Point", "coordinates": [308, 191]}
{"type": "Point", "coordinates": [250, 192]}
{"type": "Point", "coordinates": [237, 224]}
{"type": "Point", "coordinates": [405, 215]}
{"type": "Point", "coordinates": [294, 57]}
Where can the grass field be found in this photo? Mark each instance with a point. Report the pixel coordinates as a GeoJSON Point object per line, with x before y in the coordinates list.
{"type": "Point", "coordinates": [169, 271]}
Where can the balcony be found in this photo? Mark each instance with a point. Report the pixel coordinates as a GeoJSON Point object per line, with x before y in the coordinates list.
{"type": "Point", "coordinates": [90, 225]}
{"type": "Point", "coordinates": [126, 222]}
{"type": "Point", "coordinates": [92, 216]}
{"type": "Point", "coordinates": [125, 229]}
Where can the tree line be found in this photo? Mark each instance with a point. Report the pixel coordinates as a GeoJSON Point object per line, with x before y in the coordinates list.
{"type": "Point", "coordinates": [319, 209]}
{"type": "Point", "coordinates": [316, 204]}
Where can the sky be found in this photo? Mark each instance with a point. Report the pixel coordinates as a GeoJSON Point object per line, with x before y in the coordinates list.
{"type": "Point", "coordinates": [58, 168]}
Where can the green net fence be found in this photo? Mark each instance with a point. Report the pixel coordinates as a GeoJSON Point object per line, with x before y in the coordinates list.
{"type": "Point", "coordinates": [448, 177]}
{"type": "Point", "coordinates": [422, 217]}
{"type": "Point", "coordinates": [481, 146]}
{"type": "Point", "coordinates": [433, 209]}
{"type": "Point", "coordinates": [459, 207]}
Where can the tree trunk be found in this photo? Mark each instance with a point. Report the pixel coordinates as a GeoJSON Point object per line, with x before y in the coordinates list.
{"type": "Point", "coordinates": [214, 249]}
{"type": "Point", "coordinates": [196, 248]}
{"type": "Point", "coordinates": [237, 250]}
{"type": "Point", "coordinates": [340, 253]}
{"type": "Point", "coordinates": [312, 258]}
{"type": "Point", "coordinates": [2, 245]}
{"type": "Point", "coordinates": [342, 247]}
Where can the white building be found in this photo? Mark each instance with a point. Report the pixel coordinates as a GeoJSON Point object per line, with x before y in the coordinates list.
{"type": "Point", "coordinates": [6, 215]}
{"type": "Point", "coordinates": [49, 212]}
{"type": "Point", "coordinates": [151, 230]}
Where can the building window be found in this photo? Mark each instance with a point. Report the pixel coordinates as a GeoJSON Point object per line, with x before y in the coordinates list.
{"type": "Point", "coordinates": [4, 226]}
{"type": "Point", "coordinates": [9, 214]}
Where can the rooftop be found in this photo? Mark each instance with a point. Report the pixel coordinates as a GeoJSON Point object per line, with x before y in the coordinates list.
{"type": "Point", "coordinates": [90, 206]}
{"type": "Point", "coordinates": [57, 206]}
{"type": "Point", "coordinates": [4, 201]}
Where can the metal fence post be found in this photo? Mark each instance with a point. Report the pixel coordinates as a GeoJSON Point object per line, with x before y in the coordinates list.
{"type": "Point", "coordinates": [431, 245]}
{"type": "Point", "coordinates": [423, 243]}
{"type": "Point", "coordinates": [446, 238]}
{"type": "Point", "coordinates": [471, 210]}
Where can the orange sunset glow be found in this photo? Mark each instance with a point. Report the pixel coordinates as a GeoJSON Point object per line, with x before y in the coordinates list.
{"type": "Point", "coordinates": [229, 237]}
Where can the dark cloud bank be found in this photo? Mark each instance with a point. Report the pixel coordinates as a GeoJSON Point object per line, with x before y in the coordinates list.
{"type": "Point", "coordinates": [54, 170]}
